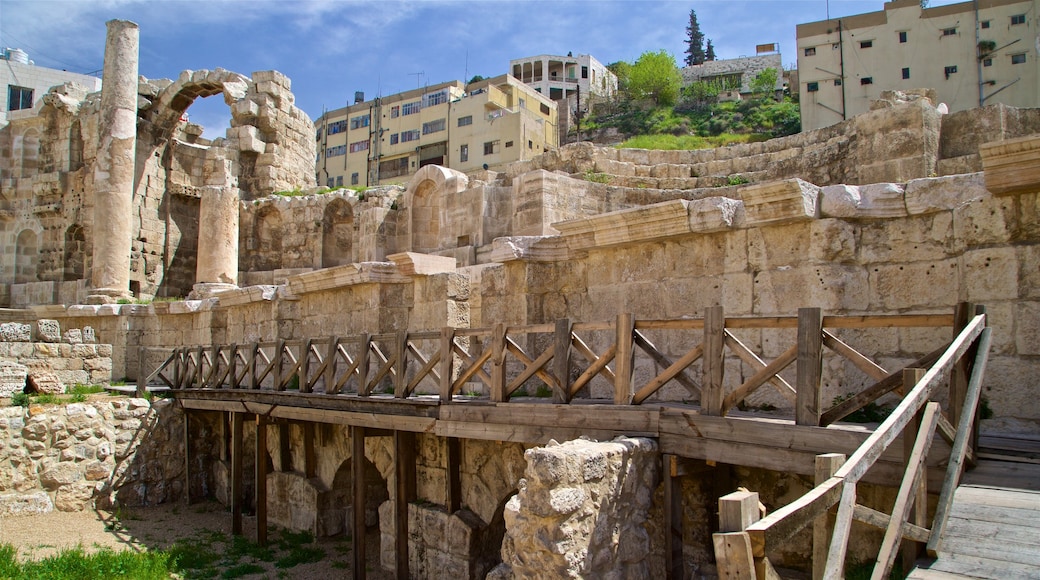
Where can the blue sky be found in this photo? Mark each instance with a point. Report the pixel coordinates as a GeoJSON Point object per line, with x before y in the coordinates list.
{"type": "Point", "coordinates": [331, 48]}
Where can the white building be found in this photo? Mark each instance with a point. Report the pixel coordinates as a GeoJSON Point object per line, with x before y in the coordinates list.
{"type": "Point", "coordinates": [559, 77]}
{"type": "Point", "coordinates": [25, 83]}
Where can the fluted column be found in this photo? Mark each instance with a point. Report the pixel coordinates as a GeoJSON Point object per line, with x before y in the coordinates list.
{"type": "Point", "coordinates": [114, 168]}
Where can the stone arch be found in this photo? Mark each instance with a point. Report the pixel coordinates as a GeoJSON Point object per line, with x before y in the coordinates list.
{"type": "Point", "coordinates": [75, 255]}
{"type": "Point", "coordinates": [267, 237]}
{"type": "Point", "coordinates": [30, 152]}
{"type": "Point", "coordinates": [75, 145]}
{"type": "Point", "coordinates": [26, 256]}
{"type": "Point", "coordinates": [169, 105]}
{"type": "Point", "coordinates": [337, 234]}
{"type": "Point", "coordinates": [343, 488]}
{"type": "Point", "coordinates": [424, 199]}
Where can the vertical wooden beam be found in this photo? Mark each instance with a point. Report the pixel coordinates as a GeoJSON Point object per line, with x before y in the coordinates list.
{"type": "Point", "coordinates": [962, 314]}
{"type": "Point", "coordinates": [447, 356]}
{"type": "Point", "coordinates": [261, 480]}
{"type": "Point", "coordinates": [453, 467]}
{"type": "Point", "coordinates": [401, 365]}
{"type": "Point", "coordinates": [498, 364]}
{"type": "Point", "coordinates": [365, 353]}
{"type": "Point", "coordinates": [279, 357]}
{"type": "Point", "coordinates": [624, 360]}
{"type": "Point", "coordinates": [919, 510]}
{"type": "Point", "coordinates": [404, 494]}
{"type": "Point", "coordinates": [310, 461]}
{"type": "Point", "coordinates": [236, 474]}
{"type": "Point", "coordinates": [562, 361]}
{"type": "Point", "coordinates": [331, 357]}
{"type": "Point", "coordinates": [823, 526]}
{"type": "Point", "coordinates": [713, 361]}
{"type": "Point", "coordinates": [733, 556]}
{"type": "Point", "coordinates": [673, 521]}
{"type": "Point", "coordinates": [187, 457]}
{"type": "Point", "coordinates": [810, 366]}
{"type": "Point", "coordinates": [233, 366]}
{"type": "Point", "coordinates": [305, 366]}
{"type": "Point", "coordinates": [142, 374]}
{"type": "Point", "coordinates": [253, 385]}
{"type": "Point", "coordinates": [284, 448]}
{"type": "Point", "coordinates": [357, 461]}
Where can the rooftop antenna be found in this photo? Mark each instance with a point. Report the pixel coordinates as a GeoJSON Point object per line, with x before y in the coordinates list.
{"type": "Point", "coordinates": [828, 9]}
{"type": "Point", "coordinates": [418, 75]}
{"type": "Point", "coordinates": [465, 75]}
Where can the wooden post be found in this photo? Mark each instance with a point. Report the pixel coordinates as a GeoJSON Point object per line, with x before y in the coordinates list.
{"type": "Point", "coordinates": [310, 461]}
{"type": "Point", "coordinates": [142, 387]}
{"type": "Point", "coordinates": [919, 510]}
{"type": "Point", "coordinates": [404, 476]}
{"type": "Point", "coordinates": [261, 480]}
{"type": "Point", "coordinates": [823, 526]}
{"type": "Point", "coordinates": [187, 458]}
{"type": "Point", "coordinates": [624, 360]}
{"type": "Point", "coordinates": [498, 364]}
{"type": "Point", "coordinates": [562, 361]}
{"type": "Point", "coordinates": [331, 356]}
{"type": "Point", "coordinates": [253, 385]}
{"type": "Point", "coordinates": [284, 449]}
{"type": "Point", "coordinates": [733, 555]}
{"type": "Point", "coordinates": [276, 371]}
{"type": "Point", "coordinates": [447, 356]}
{"type": "Point", "coordinates": [305, 366]}
{"type": "Point", "coordinates": [810, 366]}
{"type": "Point", "coordinates": [453, 467]}
{"type": "Point", "coordinates": [673, 521]}
{"type": "Point", "coordinates": [713, 361]}
{"type": "Point", "coordinates": [236, 474]}
{"type": "Point", "coordinates": [401, 365]}
{"type": "Point", "coordinates": [357, 460]}
{"type": "Point", "coordinates": [365, 353]}
{"type": "Point", "coordinates": [962, 314]}
{"type": "Point", "coordinates": [233, 366]}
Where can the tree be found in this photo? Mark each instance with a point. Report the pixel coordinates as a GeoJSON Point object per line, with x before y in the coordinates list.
{"type": "Point", "coordinates": [476, 79]}
{"type": "Point", "coordinates": [764, 83]}
{"type": "Point", "coordinates": [655, 76]}
{"type": "Point", "coordinates": [621, 70]}
{"type": "Point", "coordinates": [694, 42]}
{"type": "Point", "coordinates": [709, 52]}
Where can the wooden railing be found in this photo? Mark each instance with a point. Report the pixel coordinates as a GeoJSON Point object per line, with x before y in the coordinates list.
{"type": "Point", "coordinates": [562, 360]}
{"type": "Point", "coordinates": [743, 544]}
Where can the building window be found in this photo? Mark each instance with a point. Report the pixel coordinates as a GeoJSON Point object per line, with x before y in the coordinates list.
{"type": "Point", "coordinates": [337, 127]}
{"type": "Point", "coordinates": [906, 73]}
{"type": "Point", "coordinates": [523, 104]}
{"type": "Point", "coordinates": [359, 146]}
{"type": "Point", "coordinates": [19, 98]}
{"type": "Point", "coordinates": [467, 120]}
{"type": "Point", "coordinates": [950, 70]}
{"type": "Point", "coordinates": [339, 181]}
{"type": "Point", "coordinates": [435, 98]}
{"type": "Point", "coordinates": [987, 62]}
{"type": "Point", "coordinates": [1019, 58]}
{"type": "Point", "coordinates": [811, 51]}
{"type": "Point", "coordinates": [317, 134]}
{"type": "Point", "coordinates": [411, 108]}
{"type": "Point", "coordinates": [360, 121]}
{"type": "Point", "coordinates": [544, 108]}
{"type": "Point", "coordinates": [1018, 19]}
{"type": "Point", "coordinates": [329, 182]}
{"type": "Point", "coordinates": [394, 138]}
{"type": "Point", "coordinates": [530, 144]}
{"type": "Point", "coordinates": [464, 153]}
{"type": "Point", "coordinates": [812, 87]}
{"type": "Point", "coordinates": [585, 69]}
{"type": "Point", "coordinates": [984, 24]}
{"type": "Point", "coordinates": [949, 31]}
{"type": "Point", "coordinates": [509, 143]}
{"type": "Point", "coordinates": [354, 178]}
{"type": "Point", "coordinates": [837, 82]}
{"type": "Point", "coordinates": [395, 111]}
{"type": "Point", "coordinates": [336, 151]}
{"type": "Point", "coordinates": [490, 147]}
{"type": "Point", "coordinates": [433, 126]}
{"type": "Point", "coordinates": [866, 81]}
{"type": "Point", "coordinates": [407, 136]}
{"type": "Point", "coordinates": [866, 43]}
{"type": "Point", "coordinates": [902, 37]}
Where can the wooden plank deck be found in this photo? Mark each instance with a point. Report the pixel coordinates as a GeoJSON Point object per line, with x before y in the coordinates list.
{"type": "Point", "coordinates": [994, 526]}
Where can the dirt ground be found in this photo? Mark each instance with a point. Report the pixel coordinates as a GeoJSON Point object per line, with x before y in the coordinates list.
{"type": "Point", "coordinates": [204, 528]}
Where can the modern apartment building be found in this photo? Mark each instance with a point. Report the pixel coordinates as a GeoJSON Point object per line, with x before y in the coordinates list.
{"type": "Point", "coordinates": [25, 83]}
{"type": "Point", "coordinates": [481, 125]}
{"type": "Point", "coordinates": [560, 77]}
{"type": "Point", "coordinates": [972, 54]}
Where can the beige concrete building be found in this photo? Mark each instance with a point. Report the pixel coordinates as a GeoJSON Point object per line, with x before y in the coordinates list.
{"type": "Point", "coordinates": [561, 77]}
{"type": "Point", "coordinates": [482, 125]}
{"type": "Point", "coordinates": [971, 53]}
{"type": "Point", "coordinates": [25, 83]}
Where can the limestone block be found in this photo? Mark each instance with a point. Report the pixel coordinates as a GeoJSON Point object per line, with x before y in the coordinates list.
{"type": "Point", "coordinates": [12, 378]}
{"type": "Point", "coordinates": [48, 330]}
{"type": "Point", "coordinates": [1011, 386]}
{"type": "Point", "coordinates": [779, 202]}
{"type": "Point", "coordinates": [934, 194]}
{"type": "Point", "coordinates": [832, 287]}
{"type": "Point", "coordinates": [45, 383]}
{"type": "Point", "coordinates": [73, 336]}
{"type": "Point", "coordinates": [75, 497]}
{"type": "Point", "coordinates": [715, 214]}
{"type": "Point", "coordinates": [15, 332]}
{"type": "Point", "coordinates": [989, 274]}
{"type": "Point", "coordinates": [25, 504]}
{"type": "Point", "coordinates": [60, 474]}
{"type": "Point", "coordinates": [1027, 328]}
{"type": "Point", "coordinates": [1012, 166]}
{"type": "Point", "coordinates": [913, 285]}
{"type": "Point", "coordinates": [832, 241]}
{"type": "Point", "coordinates": [878, 200]}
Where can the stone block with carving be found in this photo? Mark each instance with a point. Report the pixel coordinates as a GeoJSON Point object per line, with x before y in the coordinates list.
{"type": "Point", "coordinates": [88, 335]}
{"type": "Point", "coordinates": [73, 336]}
{"type": "Point", "coordinates": [15, 332]}
{"type": "Point", "coordinates": [48, 330]}
{"type": "Point", "coordinates": [780, 202]}
{"type": "Point", "coordinates": [12, 378]}
{"type": "Point", "coordinates": [45, 383]}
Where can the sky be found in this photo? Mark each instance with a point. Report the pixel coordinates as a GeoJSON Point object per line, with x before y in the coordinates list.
{"type": "Point", "coordinates": [332, 48]}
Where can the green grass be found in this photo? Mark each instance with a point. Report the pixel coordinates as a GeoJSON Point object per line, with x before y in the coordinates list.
{"type": "Point", "coordinates": [76, 564]}
{"type": "Point", "coordinates": [685, 142]}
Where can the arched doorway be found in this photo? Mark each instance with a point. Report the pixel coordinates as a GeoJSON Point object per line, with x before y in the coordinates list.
{"type": "Point", "coordinates": [337, 239]}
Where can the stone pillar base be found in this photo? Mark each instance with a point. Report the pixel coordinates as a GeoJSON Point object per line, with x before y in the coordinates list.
{"type": "Point", "coordinates": [107, 296]}
{"type": "Point", "coordinates": [205, 290]}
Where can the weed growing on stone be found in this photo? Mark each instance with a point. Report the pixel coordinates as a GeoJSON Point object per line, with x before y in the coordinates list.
{"type": "Point", "coordinates": [20, 400]}
{"type": "Point", "coordinates": [594, 177]}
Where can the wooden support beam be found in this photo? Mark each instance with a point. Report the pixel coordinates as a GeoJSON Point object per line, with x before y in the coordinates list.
{"type": "Point", "coordinates": [453, 467]}
{"type": "Point", "coordinates": [498, 363]}
{"type": "Point", "coordinates": [284, 449]}
{"type": "Point", "coordinates": [738, 510]}
{"type": "Point", "coordinates": [401, 365]}
{"type": "Point", "coordinates": [835, 569]}
{"type": "Point", "coordinates": [261, 480]}
{"type": "Point", "coordinates": [823, 526]}
{"type": "Point", "coordinates": [364, 353]}
{"type": "Point", "coordinates": [713, 362]}
{"type": "Point", "coordinates": [918, 514]}
{"type": "Point", "coordinates": [187, 457]}
{"type": "Point", "coordinates": [447, 357]}
{"type": "Point", "coordinates": [404, 494]}
{"type": "Point", "coordinates": [357, 443]}
{"type": "Point", "coordinates": [962, 314]}
{"type": "Point", "coordinates": [673, 521]}
{"type": "Point", "coordinates": [562, 361]}
{"type": "Point", "coordinates": [733, 553]}
{"type": "Point", "coordinates": [624, 360]}
{"type": "Point", "coordinates": [236, 473]}
{"type": "Point", "coordinates": [310, 459]}
{"type": "Point", "coordinates": [810, 366]}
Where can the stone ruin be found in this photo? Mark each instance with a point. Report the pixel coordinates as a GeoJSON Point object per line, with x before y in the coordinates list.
{"type": "Point", "coordinates": [53, 361]}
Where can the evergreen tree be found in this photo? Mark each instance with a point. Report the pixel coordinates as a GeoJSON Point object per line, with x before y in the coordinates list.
{"type": "Point", "coordinates": [694, 42]}
{"type": "Point", "coordinates": [709, 52]}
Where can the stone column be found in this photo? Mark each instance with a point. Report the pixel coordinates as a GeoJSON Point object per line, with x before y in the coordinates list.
{"type": "Point", "coordinates": [216, 268]}
{"type": "Point", "coordinates": [114, 167]}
